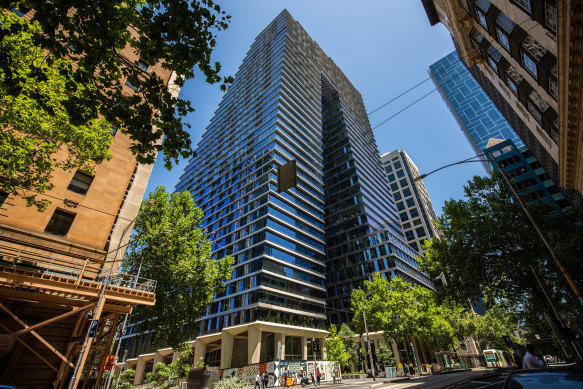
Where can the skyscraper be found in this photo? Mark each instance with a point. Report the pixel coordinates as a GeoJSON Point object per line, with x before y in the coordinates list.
{"type": "Point", "coordinates": [484, 126]}
{"type": "Point", "coordinates": [413, 203]}
{"type": "Point", "coordinates": [526, 56]}
{"type": "Point", "coordinates": [478, 117]}
{"type": "Point", "coordinates": [298, 254]}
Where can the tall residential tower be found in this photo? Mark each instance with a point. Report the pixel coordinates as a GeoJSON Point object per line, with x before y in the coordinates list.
{"type": "Point", "coordinates": [298, 254]}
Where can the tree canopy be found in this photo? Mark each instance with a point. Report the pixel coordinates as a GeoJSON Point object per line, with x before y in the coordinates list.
{"type": "Point", "coordinates": [335, 347]}
{"type": "Point", "coordinates": [170, 246]}
{"type": "Point", "coordinates": [488, 247]}
{"type": "Point", "coordinates": [72, 67]}
{"type": "Point", "coordinates": [40, 130]}
{"type": "Point", "coordinates": [404, 311]}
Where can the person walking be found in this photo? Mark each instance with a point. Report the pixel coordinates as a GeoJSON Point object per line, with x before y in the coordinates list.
{"type": "Point", "coordinates": [257, 381]}
{"type": "Point", "coordinates": [531, 359]}
{"type": "Point", "coordinates": [265, 379]}
{"type": "Point", "coordinates": [312, 378]}
{"type": "Point", "coordinates": [318, 375]}
{"type": "Point", "coordinates": [405, 369]}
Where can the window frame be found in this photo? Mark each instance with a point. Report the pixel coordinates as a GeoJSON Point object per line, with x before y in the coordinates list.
{"type": "Point", "coordinates": [51, 220]}
{"type": "Point", "coordinates": [548, 5]}
{"type": "Point", "coordinates": [493, 62]}
{"type": "Point", "coordinates": [525, 8]}
{"type": "Point", "coordinates": [526, 57]}
{"type": "Point", "coordinates": [474, 36]}
{"type": "Point", "coordinates": [511, 73]}
{"type": "Point", "coordinates": [79, 189]}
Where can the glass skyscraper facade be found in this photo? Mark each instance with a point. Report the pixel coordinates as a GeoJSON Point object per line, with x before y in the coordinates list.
{"type": "Point", "coordinates": [298, 254]}
{"type": "Point", "coordinates": [476, 114]}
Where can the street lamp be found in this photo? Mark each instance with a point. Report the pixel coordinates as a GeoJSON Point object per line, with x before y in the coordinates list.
{"type": "Point", "coordinates": [491, 159]}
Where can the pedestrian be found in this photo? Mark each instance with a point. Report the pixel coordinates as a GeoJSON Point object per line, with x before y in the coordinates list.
{"type": "Point", "coordinates": [285, 378]}
{"type": "Point", "coordinates": [265, 379]}
{"type": "Point", "coordinates": [411, 369]}
{"type": "Point", "coordinates": [405, 369]}
{"type": "Point", "coordinates": [531, 359]}
{"type": "Point", "coordinates": [318, 375]}
{"type": "Point", "coordinates": [312, 378]}
{"type": "Point", "coordinates": [257, 381]}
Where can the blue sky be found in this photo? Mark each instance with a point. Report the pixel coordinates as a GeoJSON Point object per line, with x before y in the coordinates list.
{"type": "Point", "coordinates": [384, 47]}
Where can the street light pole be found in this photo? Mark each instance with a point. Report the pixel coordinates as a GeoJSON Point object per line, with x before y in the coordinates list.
{"type": "Point", "coordinates": [368, 340]}
{"type": "Point", "coordinates": [566, 274]}
{"type": "Point", "coordinates": [562, 268]}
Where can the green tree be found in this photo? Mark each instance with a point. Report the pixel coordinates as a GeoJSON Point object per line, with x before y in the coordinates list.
{"type": "Point", "coordinates": [385, 355]}
{"type": "Point", "coordinates": [180, 35]}
{"type": "Point", "coordinates": [349, 338]}
{"type": "Point", "coordinates": [493, 326]}
{"type": "Point", "coordinates": [490, 248]}
{"type": "Point", "coordinates": [170, 246]}
{"type": "Point", "coordinates": [335, 347]}
{"type": "Point", "coordinates": [38, 133]}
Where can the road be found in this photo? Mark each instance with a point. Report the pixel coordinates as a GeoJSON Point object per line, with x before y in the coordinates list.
{"type": "Point", "coordinates": [475, 379]}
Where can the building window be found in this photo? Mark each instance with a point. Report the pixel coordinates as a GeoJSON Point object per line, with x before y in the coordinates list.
{"type": "Point", "coordinates": [536, 105]}
{"type": "Point", "coordinates": [400, 174]}
{"type": "Point", "coordinates": [476, 38]}
{"type": "Point", "coordinates": [464, 4]}
{"type": "Point", "coordinates": [410, 202]}
{"type": "Point", "coordinates": [555, 131]}
{"type": "Point", "coordinates": [397, 196]}
{"type": "Point", "coordinates": [513, 79]}
{"type": "Point", "coordinates": [525, 5]}
{"type": "Point", "coordinates": [420, 232]}
{"type": "Point", "coordinates": [551, 15]}
{"type": "Point", "coordinates": [532, 52]}
{"type": "Point", "coordinates": [481, 10]}
{"type": "Point", "coordinates": [80, 183]}
{"type": "Point", "coordinates": [60, 223]}
{"type": "Point", "coordinates": [553, 85]}
{"type": "Point", "coordinates": [129, 84]}
{"type": "Point", "coordinates": [391, 177]}
{"type": "Point", "coordinates": [494, 57]}
{"type": "Point", "coordinates": [504, 27]}
{"type": "Point", "coordinates": [20, 10]}
{"type": "Point", "coordinates": [143, 65]}
{"type": "Point", "coordinates": [3, 197]}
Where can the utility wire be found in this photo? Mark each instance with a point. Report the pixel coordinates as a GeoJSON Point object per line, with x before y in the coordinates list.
{"type": "Point", "coordinates": [451, 65]}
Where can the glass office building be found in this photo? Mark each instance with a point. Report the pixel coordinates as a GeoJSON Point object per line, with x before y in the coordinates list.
{"type": "Point", "coordinates": [413, 203]}
{"type": "Point", "coordinates": [476, 114]}
{"type": "Point", "coordinates": [299, 253]}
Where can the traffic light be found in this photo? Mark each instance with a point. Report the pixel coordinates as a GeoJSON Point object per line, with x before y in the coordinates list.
{"type": "Point", "coordinates": [316, 345]}
{"type": "Point", "coordinates": [360, 356]}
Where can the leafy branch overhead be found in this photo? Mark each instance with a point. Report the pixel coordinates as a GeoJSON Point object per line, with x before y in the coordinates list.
{"type": "Point", "coordinates": [178, 35]}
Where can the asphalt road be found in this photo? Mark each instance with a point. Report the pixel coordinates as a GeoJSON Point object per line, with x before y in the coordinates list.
{"type": "Point", "coordinates": [462, 380]}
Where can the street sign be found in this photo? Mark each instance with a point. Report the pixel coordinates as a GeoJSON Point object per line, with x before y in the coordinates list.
{"type": "Point", "coordinates": [93, 328]}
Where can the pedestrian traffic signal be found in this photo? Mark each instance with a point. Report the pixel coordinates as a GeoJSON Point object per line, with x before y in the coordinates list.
{"type": "Point", "coordinates": [316, 345]}
{"type": "Point", "coordinates": [360, 357]}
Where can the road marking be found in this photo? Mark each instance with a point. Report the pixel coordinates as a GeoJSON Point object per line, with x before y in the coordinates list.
{"type": "Point", "coordinates": [495, 383]}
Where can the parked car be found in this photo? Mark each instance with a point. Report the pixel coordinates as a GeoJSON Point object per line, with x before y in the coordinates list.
{"type": "Point", "coordinates": [567, 377]}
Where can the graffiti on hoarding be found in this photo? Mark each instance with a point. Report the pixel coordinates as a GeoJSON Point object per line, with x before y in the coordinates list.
{"type": "Point", "coordinates": [291, 370]}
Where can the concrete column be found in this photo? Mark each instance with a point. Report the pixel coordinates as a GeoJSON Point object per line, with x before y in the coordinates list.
{"type": "Point", "coordinates": [278, 337]}
{"type": "Point", "coordinates": [323, 348]}
{"type": "Point", "coordinates": [140, 365]}
{"type": "Point", "coordinates": [199, 351]}
{"type": "Point", "coordinates": [226, 349]}
{"type": "Point", "coordinates": [253, 345]}
{"type": "Point", "coordinates": [157, 358]}
{"type": "Point", "coordinates": [417, 351]}
{"type": "Point", "coordinates": [396, 352]}
{"type": "Point", "coordinates": [304, 341]}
